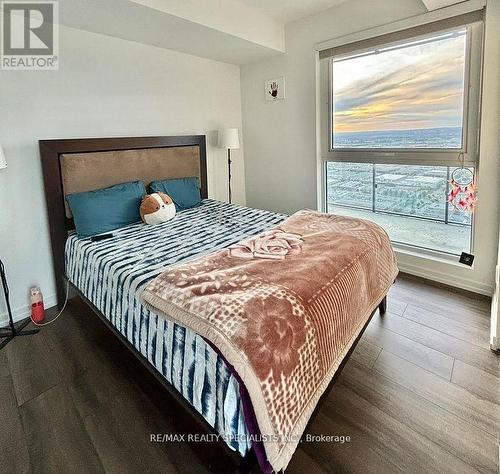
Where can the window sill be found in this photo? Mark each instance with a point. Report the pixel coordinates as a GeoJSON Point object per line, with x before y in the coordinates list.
{"type": "Point", "coordinates": [432, 255]}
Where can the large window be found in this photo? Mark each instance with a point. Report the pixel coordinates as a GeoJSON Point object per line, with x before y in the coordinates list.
{"type": "Point", "coordinates": [402, 116]}
{"type": "Point", "coordinates": [405, 96]}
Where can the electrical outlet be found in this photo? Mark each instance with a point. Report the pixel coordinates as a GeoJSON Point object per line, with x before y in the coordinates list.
{"type": "Point", "coordinates": [467, 259]}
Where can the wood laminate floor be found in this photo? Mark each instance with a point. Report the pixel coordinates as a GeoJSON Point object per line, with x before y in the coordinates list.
{"type": "Point", "coordinates": [421, 393]}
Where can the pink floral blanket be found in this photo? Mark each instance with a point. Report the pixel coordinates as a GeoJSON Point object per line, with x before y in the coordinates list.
{"type": "Point", "coordinates": [283, 308]}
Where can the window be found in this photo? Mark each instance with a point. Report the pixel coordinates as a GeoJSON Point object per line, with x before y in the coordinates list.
{"type": "Point", "coordinates": [401, 117]}
{"type": "Point", "coordinates": [405, 96]}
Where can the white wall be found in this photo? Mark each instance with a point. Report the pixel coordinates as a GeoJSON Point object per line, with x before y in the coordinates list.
{"type": "Point", "coordinates": [280, 137]}
{"type": "Point", "coordinates": [104, 87]}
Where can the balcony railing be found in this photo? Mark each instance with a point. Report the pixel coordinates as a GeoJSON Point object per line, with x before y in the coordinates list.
{"type": "Point", "coordinates": [403, 190]}
{"type": "Point", "coordinates": [398, 197]}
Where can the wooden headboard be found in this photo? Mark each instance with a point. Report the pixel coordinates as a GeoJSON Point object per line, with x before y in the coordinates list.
{"type": "Point", "coordinates": [68, 166]}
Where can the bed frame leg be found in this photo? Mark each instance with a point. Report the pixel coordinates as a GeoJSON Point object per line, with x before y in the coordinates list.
{"type": "Point", "coordinates": [247, 463]}
{"type": "Point", "coordinates": [383, 306]}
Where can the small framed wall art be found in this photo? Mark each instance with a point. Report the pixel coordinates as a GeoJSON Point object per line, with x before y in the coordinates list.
{"type": "Point", "coordinates": [275, 88]}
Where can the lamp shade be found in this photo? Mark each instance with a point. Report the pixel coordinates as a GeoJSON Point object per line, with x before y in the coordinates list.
{"type": "Point", "coordinates": [229, 138]}
{"type": "Point", "coordinates": [3, 160]}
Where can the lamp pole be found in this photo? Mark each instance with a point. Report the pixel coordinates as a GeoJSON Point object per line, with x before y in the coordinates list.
{"type": "Point", "coordinates": [229, 139]}
{"type": "Point", "coordinates": [7, 334]}
{"type": "Point", "coordinates": [229, 171]}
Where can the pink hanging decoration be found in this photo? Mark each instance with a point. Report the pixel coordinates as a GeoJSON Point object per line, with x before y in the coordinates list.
{"type": "Point", "coordinates": [463, 197]}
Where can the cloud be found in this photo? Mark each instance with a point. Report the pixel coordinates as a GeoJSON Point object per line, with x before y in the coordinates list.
{"type": "Point", "coordinates": [415, 87]}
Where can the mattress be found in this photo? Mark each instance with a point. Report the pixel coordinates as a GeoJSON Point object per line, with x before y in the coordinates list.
{"type": "Point", "coordinates": [111, 273]}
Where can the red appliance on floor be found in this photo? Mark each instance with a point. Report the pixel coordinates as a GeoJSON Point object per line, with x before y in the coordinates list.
{"type": "Point", "coordinates": [37, 309]}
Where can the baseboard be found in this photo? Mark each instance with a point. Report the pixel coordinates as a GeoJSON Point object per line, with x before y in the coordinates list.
{"type": "Point", "coordinates": [466, 284]}
{"type": "Point", "coordinates": [441, 277]}
{"type": "Point", "coordinates": [23, 312]}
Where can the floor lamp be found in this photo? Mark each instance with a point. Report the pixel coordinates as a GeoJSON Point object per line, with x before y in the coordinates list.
{"type": "Point", "coordinates": [229, 139]}
{"type": "Point", "coordinates": [14, 329]}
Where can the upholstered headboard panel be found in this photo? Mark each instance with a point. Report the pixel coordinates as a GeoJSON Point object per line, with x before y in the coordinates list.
{"type": "Point", "coordinates": [90, 171]}
{"type": "Point", "coordinates": [86, 164]}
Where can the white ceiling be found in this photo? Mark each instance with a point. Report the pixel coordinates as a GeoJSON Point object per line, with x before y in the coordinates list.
{"type": "Point", "coordinates": [135, 20]}
{"type": "Point", "coordinates": [435, 4]}
{"type": "Point", "coordinates": [205, 28]}
{"type": "Point", "coordinates": [285, 11]}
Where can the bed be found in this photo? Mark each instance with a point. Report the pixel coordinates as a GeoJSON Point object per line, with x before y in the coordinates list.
{"type": "Point", "coordinates": [110, 274]}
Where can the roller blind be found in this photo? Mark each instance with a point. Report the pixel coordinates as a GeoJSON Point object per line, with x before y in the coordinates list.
{"type": "Point", "coordinates": [397, 36]}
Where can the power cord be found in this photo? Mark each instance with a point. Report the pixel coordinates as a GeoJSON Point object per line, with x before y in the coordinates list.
{"type": "Point", "coordinates": [60, 312]}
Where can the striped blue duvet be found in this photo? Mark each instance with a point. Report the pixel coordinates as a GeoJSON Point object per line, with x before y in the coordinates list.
{"type": "Point", "coordinates": [111, 272]}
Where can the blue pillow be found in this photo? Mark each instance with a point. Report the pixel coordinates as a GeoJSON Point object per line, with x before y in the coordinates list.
{"type": "Point", "coordinates": [95, 212]}
{"type": "Point", "coordinates": [185, 192]}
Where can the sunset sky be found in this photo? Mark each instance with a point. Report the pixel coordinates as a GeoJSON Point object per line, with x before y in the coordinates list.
{"type": "Point", "coordinates": [414, 87]}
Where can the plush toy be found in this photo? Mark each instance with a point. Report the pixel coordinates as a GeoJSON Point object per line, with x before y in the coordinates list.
{"type": "Point", "coordinates": [157, 208]}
